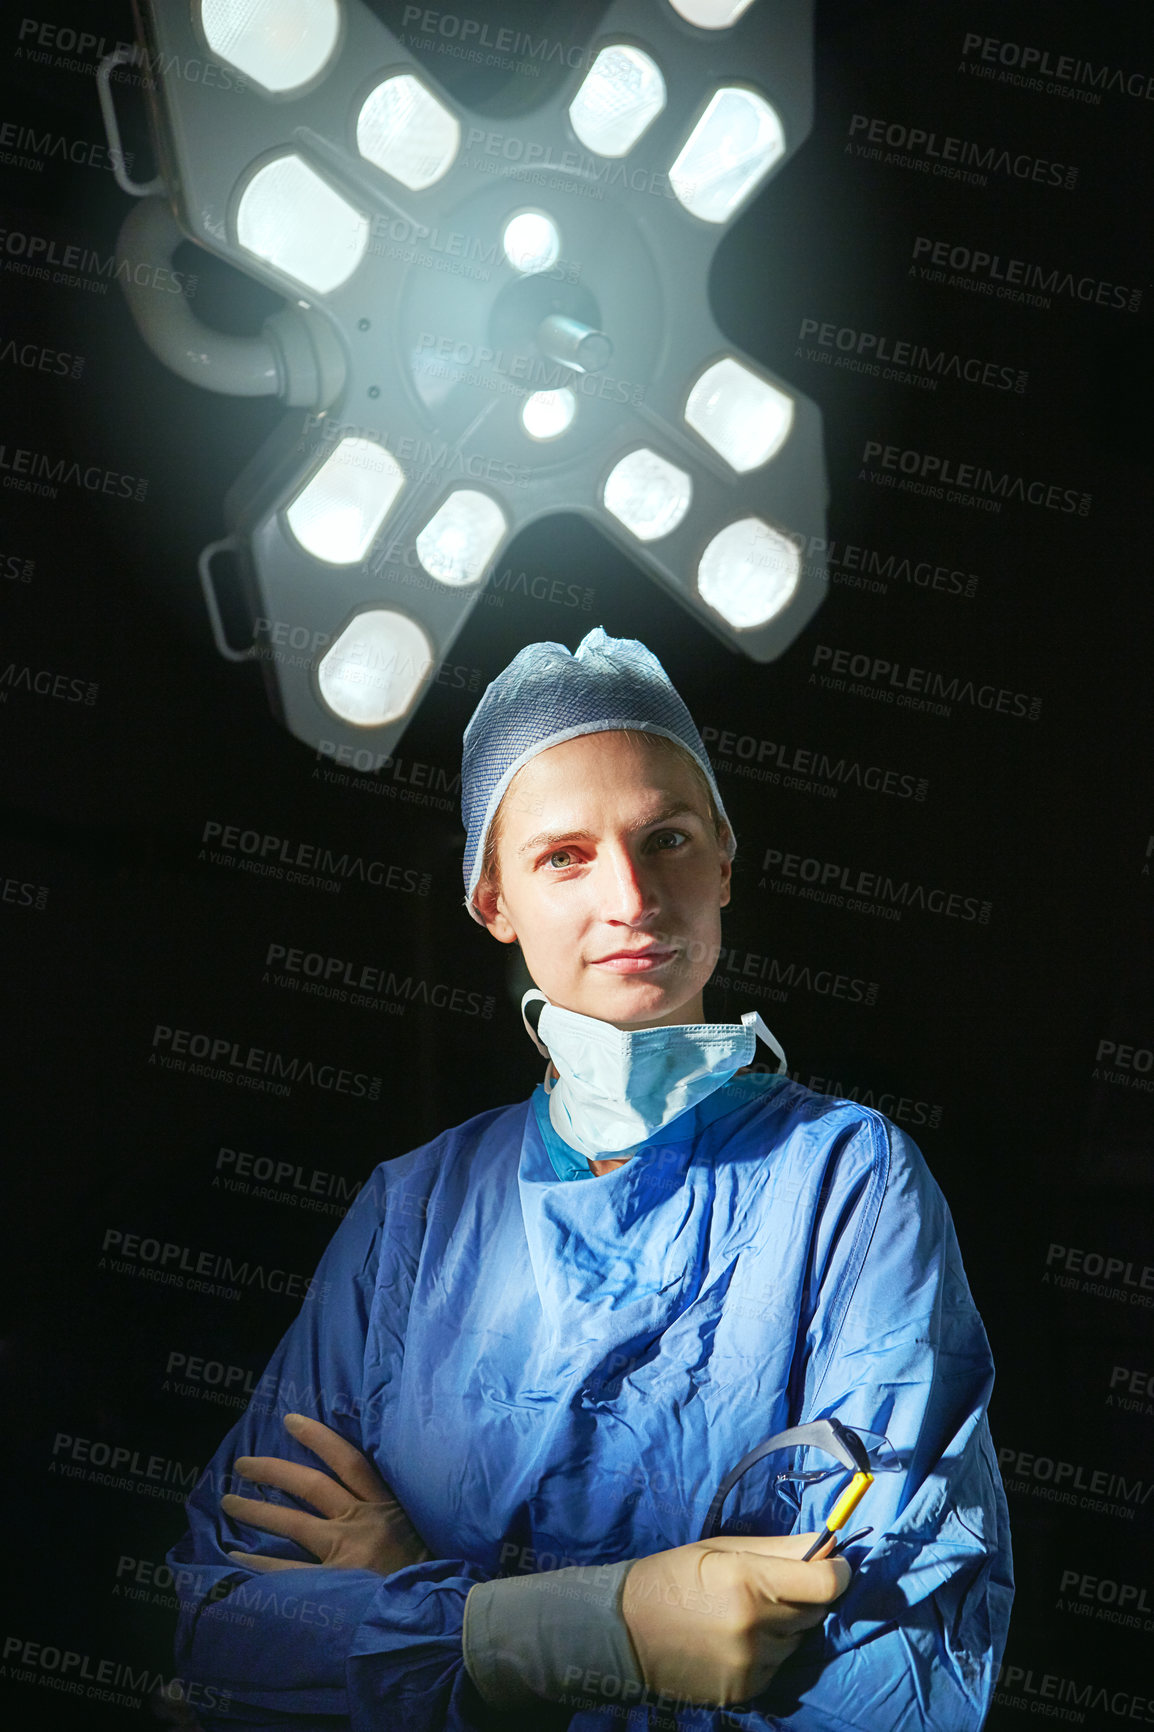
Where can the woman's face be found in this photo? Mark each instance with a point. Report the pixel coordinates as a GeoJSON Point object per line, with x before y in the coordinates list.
{"type": "Point", "coordinates": [612, 880]}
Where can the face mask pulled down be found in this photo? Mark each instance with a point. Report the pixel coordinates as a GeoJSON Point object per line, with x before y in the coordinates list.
{"type": "Point", "coordinates": [617, 1087]}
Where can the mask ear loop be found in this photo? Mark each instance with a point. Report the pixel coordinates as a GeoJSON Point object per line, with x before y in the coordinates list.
{"type": "Point", "coordinates": [531, 997]}
{"type": "Point", "coordinates": [752, 1020]}
{"type": "Point", "coordinates": [528, 998]}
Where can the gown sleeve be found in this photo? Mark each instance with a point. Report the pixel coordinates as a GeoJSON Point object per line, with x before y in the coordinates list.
{"type": "Point", "coordinates": [894, 1344]}
{"type": "Point", "coordinates": [302, 1650]}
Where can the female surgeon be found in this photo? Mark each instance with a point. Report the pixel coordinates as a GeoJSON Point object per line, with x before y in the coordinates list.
{"type": "Point", "coordinates": [470, 1488]}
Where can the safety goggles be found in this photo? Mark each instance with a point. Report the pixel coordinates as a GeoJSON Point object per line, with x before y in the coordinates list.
{"type": "Point", "coordinates": [848, 1449]}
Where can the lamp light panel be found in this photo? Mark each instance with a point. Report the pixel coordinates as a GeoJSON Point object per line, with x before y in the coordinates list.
{"type": "Point", "coordinates": [742, 416]}
{"type": "Point", "coordinates": [648, 494]}
{"type": "Point", "coordinates": [711, 14]}
{"type": "Point", "coordinates": [278, 44]}
{"type": "Point", "coordinates": [748, 573]}
{"type": "Point", "coordinates": [373, 670]}
{"type": "Point", "coordinates": [338, 511]}
{"type": "Point", "coordinates": [291, 217]}
{"type": "Point", "coordinates": [733, 147]}
{"type": "Point", "coordinates": [622, 93]}
{"type": "Point", "coordinates": [531, 242]}
{"type": "Point", "coordinates": [460, 539]}
{"type": "Point", "coordinates": [547, 414]}
{"type": "Point", "coordinates": [405, 132]}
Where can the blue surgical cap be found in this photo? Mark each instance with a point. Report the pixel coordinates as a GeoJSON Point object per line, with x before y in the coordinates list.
{"type": "Point", "coordinates": [547, 695]}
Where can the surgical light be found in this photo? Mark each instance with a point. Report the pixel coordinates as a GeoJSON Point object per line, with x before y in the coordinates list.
{"type": "Point", "coordinates": [733, 147]}
{"type": "Point", "coordinates": [648, 494]}
{"type": "Point", "coordinates": [483, 323]}
{"type": "Point", "coordinates": [531, 242]}
{"type": "Point", "coordinates": [622, 93]}
{"type": "Point", "coordinates": [546, 414]}
{"type": "Point", "coordinates": [337, 514]}
{"type": "Point", "coordinates": [371, 674]}
{"type": "Point", "coordinates": [748, 573]}
{"type": "Point", "coordinates": [459, 541]}
{"type": "Point", "coordinates": [743, 417]}
{"type": "Point", "coordinates": [279, 44]}
{"type": "Point", "coordinates": [404, 131]}
{"type": "Point", "coordinates": [711, 14]}
{"type": "Point", "coordinates": [291, 217]}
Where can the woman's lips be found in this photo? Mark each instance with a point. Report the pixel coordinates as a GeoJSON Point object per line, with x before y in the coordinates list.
{"type": "Point", "coordinates": [635, 961]}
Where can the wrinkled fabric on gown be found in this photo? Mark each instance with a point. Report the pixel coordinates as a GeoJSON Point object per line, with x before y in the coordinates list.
{"type": "Point", "coordinates": [550, 1372]}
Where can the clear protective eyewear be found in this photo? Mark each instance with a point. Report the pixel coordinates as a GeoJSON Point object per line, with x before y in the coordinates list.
{"type": "Point", "coordinates": [860, 1453]}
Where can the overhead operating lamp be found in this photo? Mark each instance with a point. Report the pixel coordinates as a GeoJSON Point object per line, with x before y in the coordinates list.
{"type": "Point", "coordinates": [485, 322]}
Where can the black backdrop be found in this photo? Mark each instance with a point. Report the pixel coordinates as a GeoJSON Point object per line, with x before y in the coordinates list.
{"type": "Point", "coordinates": [966, 716]}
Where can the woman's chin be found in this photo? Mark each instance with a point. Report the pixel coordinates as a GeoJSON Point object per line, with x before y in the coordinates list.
{"type": "Point", "coordinates": [627, 999]}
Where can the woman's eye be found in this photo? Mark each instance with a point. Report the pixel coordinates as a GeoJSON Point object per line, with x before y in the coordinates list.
{"type": "Point", "coordinates": [663, 840]}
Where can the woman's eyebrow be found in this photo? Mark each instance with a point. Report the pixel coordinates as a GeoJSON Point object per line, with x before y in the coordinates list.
{"type": "Point", "coordinates": [554, 838]}
{"type": "Point", "coordinates": [676, 809]}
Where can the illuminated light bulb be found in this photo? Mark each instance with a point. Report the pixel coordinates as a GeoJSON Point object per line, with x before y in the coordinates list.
{"type": "Point", "coordinates": [621, 94]}
{"type": "Point", "coordinates": [403, 130]}
{"type": "Point", "coordinates": [372, 672]}
{"type": "Point", "coordinates": [748, 573]}
{"type": "Point", "coordinates": [461, 538]}
{"type": "Point", "coordinates": [292, 218]}
{"type": "Point", "coordinates": [733, 146]}
{"type": "Point", "coordinates": [279, 44]}
{"type": "Point", "coordinates": [647, 494]}
{"type": "Point", "coordinates": [531, 242]}
{"type": "Point", "coordinates": [545, 414]}
{"type": "Point", "coordinates": [338, 512]}
{"type": "Point", "coordinates": [745, 418]}
{"type": "Point", "coordinates": [711, 14]}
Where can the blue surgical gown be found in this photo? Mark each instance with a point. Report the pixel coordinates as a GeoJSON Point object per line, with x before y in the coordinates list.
{"type": "Point", "coordinates": [552, 1371]}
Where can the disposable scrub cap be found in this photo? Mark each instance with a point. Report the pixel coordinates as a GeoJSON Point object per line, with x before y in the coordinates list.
{"type": "Point", "coordinates": [547, 695]}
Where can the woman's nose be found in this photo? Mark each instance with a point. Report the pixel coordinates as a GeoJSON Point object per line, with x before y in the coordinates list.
{"type": "Point", "coordinates": [628, 891]}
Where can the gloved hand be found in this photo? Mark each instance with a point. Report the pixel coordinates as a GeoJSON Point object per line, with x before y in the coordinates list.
{"type": "Point", "coordinates": [709, 1622]}
{"type": "Point", "coordinates": [362, 1526]}
{"type": "Point", "coordinates": [712, 1621]}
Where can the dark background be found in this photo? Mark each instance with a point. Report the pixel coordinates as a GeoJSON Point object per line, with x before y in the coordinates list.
{"type": "Point", "coordinates": [983, 1037]}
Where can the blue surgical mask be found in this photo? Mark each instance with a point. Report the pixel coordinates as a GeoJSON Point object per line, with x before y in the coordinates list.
{"type": "Point", "coordinates": [617, 1087]}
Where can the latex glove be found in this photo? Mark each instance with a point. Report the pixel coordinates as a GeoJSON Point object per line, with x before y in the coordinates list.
{"type": "Point", "coordinates": [711, 1622]}
{"type": "Point", "coordinates": [362, 1526]}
